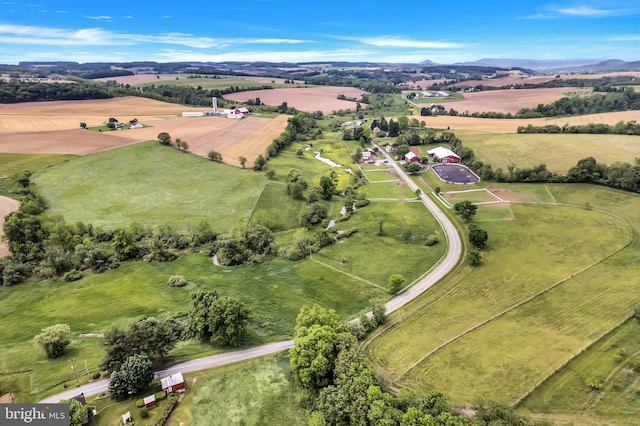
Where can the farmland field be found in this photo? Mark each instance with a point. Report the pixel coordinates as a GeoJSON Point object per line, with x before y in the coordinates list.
{"type": "Point", "coordinates": [62, 115]}
{"type": "Point", "coordinates": [512, 100]}
{"type": "Point", "coordinates": [511, 272]}
{"type": "Point", "coordinates": [559, 152]}
{"type": "Point", "coordinates": [496, 125]}
{"type": "Point", "coordinates": [310, 99]}
{"type": "Point", "coordinates": [170, 188]}
{"type": "Point", "coordinates": [14, 163]}
{"type": "Point", "coordinates": [566, 394]}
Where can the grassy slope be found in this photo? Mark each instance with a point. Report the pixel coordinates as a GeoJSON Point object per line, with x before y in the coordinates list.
{"type": "Point", "coordinates": [151, 184]}
{"type": "Point", "coordinates": [14, 163]}
{"type": "Point", "coordinates": [558, 152]}
{"type": "Point", "coordinates": [562, 239]}
{"type": "Point", "coordinates": [274, 291]}
{"type": "Point", "coordinates": [566, 392]}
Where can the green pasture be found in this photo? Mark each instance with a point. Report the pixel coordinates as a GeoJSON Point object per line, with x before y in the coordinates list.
{"type": "Point", "coordinates": [543, 245]}
{"type": "Point", "coordinates": [11, 164]}
{"type": "Point", "coordinates": [211, 83]}
{"type": "Point", "coordinates": [559, 152]}
{"type": "Point", "coordinates": [492, 212]}
{"type": "Point", "coordinates": [381, 174]}
{"type": "Point", "coordinates": [252, 393]}
{"type": "Point", "coordinates": [474, 196]}
{"type": "Point", "coordinates": [274, 292]}
{"type": "Point", "coordinates": [566, 393]}
{"type": "Point", "coordinates": [150, 184]}
{"type": "Point", "coordinates": [355, 255]}
{"type": "Point", "coordinates": [393, 190]}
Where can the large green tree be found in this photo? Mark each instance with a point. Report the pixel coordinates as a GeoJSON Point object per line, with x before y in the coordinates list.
{"type": "Point", "coordinates": [466, 210]}
{"type": "Point", "coordinates": [137, 373]}
{"type": "Point", "coordinates": [221, 319]}
{"type": "Point", "coordinates": [77, 412]}
{"type": "Point", "coordinates": [54, 339]}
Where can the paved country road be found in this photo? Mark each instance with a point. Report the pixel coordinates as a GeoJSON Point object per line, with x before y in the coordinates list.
{"type": "Point", "coordinates": [430, 278]}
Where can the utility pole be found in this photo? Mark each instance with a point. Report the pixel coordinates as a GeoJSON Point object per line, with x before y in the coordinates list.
{"type": "Point", "coordinates": [87, 367]}
{"type": "Point", "coordinates": [73, 367]}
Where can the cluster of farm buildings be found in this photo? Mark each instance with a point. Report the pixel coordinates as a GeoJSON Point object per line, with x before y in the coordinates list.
{"type": "Point", "coordinates": [439, 155]}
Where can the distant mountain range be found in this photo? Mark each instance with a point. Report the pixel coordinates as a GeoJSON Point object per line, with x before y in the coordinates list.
{"type": "Point", "coordinates": [529, 65]}
{"type": "Point", "coordinates": [550, 66]}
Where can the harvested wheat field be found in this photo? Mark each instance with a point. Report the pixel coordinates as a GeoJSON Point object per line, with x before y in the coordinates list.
{"type": "Point", "coordinates": [246, 137]}
{"type": "Point", "coordinates": [495, 125]}
{"type": "Point", "coordinates": [7, 205]}
{"type": "Point", "coordinates": [515, 80]}
{"type": "Point", "coordinates": [512, 100]}
{"type": "Point", "coordinates": [62, 115]}
{"type": "Point", "coordinates": [310, 99]}
{"type": "Point", "coordinates": [255, 143]}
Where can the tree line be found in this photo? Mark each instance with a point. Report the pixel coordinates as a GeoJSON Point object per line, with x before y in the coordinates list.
{"type": "Point", "coordinates": [620, 128]}
{"type": "Point", "coordinates": [619, 175]}
{"type": "Point", "coordinates": [337, 386]}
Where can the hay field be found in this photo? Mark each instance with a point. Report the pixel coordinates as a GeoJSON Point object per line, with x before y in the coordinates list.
{"type": "Point", "coordinates": [496, 125]}
{"type": "Point", "coordinates": [513, 100]}
{"type": "Point", "coordinates": [321, 98]}
{"type": "Point", "coordinates": [559, 152]}
{"type": "Point", "coordinates": [514, 80]}
{"type": "Point", "coordinates": [7, 205]}
{"type": "Point", "coordinates": [63, 115]}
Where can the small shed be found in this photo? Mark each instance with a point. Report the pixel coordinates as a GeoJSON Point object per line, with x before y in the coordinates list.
{"type": "Point", "coordinates": [173, 383]}
{"type": "Point", "coordinates": [126, 418]}
{"type": "Point", "coordinates": [149, 401]}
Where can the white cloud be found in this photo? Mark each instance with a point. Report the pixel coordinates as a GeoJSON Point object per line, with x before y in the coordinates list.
{"type": "Point", "coordinates": [628, 37]}
{"type": "Point", "coordinates": [402, 42]}
{"type": "Point", "coordinates": [590, 12]}
{"type": "Point", "coordinates": [19, 34]}
{"type": "Point", "coordinates": [282, 56]}
{"type": "Point", "coordinates": [100, 18]}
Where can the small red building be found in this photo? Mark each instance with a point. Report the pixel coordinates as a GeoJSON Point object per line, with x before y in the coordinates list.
{"type": "Point", "coordinates": [150, 401]}
{"type": "Point", "coordinates": [173, 383]}
{"type": "Point", "coordinates": [410, 156]}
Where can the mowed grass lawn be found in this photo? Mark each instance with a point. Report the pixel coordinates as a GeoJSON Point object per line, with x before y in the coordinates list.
{"type": "Point", "coordinates": [274, 292]}
{"type": "Point", "coordinates": [541, 246]}
{"type": "Point", "coordinates": [559, 152]}
{"type": "Point", "coordinates": [149, 184]}
{"type": "Point", "coordinates": [11, 164]}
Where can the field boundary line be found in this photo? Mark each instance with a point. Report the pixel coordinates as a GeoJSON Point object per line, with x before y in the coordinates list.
{"type": "Point", "coordinates": [571, 358]}
{"type": "Point", "coordinates": [550, 194]}
{"type": "Point", "coordinates": [524, 301]}
{"type": "Point", "coordinates": [355, 277]}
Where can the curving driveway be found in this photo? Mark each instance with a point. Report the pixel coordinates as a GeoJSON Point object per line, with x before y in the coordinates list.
{"type": "Point", "coordinates": [430, 278]}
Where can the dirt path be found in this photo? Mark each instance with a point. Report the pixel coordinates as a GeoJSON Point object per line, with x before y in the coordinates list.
{"type": "Point", "coordinates": [7, 205]}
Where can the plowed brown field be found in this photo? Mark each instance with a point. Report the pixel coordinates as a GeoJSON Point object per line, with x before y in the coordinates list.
{"type": "Point", "coordinates": [310, 99]}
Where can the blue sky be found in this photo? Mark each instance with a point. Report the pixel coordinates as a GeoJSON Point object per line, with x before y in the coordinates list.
{"type": "Point", "coordinates": [301, 31]}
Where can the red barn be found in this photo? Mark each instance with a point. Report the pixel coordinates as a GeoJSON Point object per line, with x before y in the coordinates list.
{"type": "Point", "coordinates": [173, 383]}
{"type": "Point", "coordinates": [444, 155]}
{"type": "Point", "coordinates": [410, 156]}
